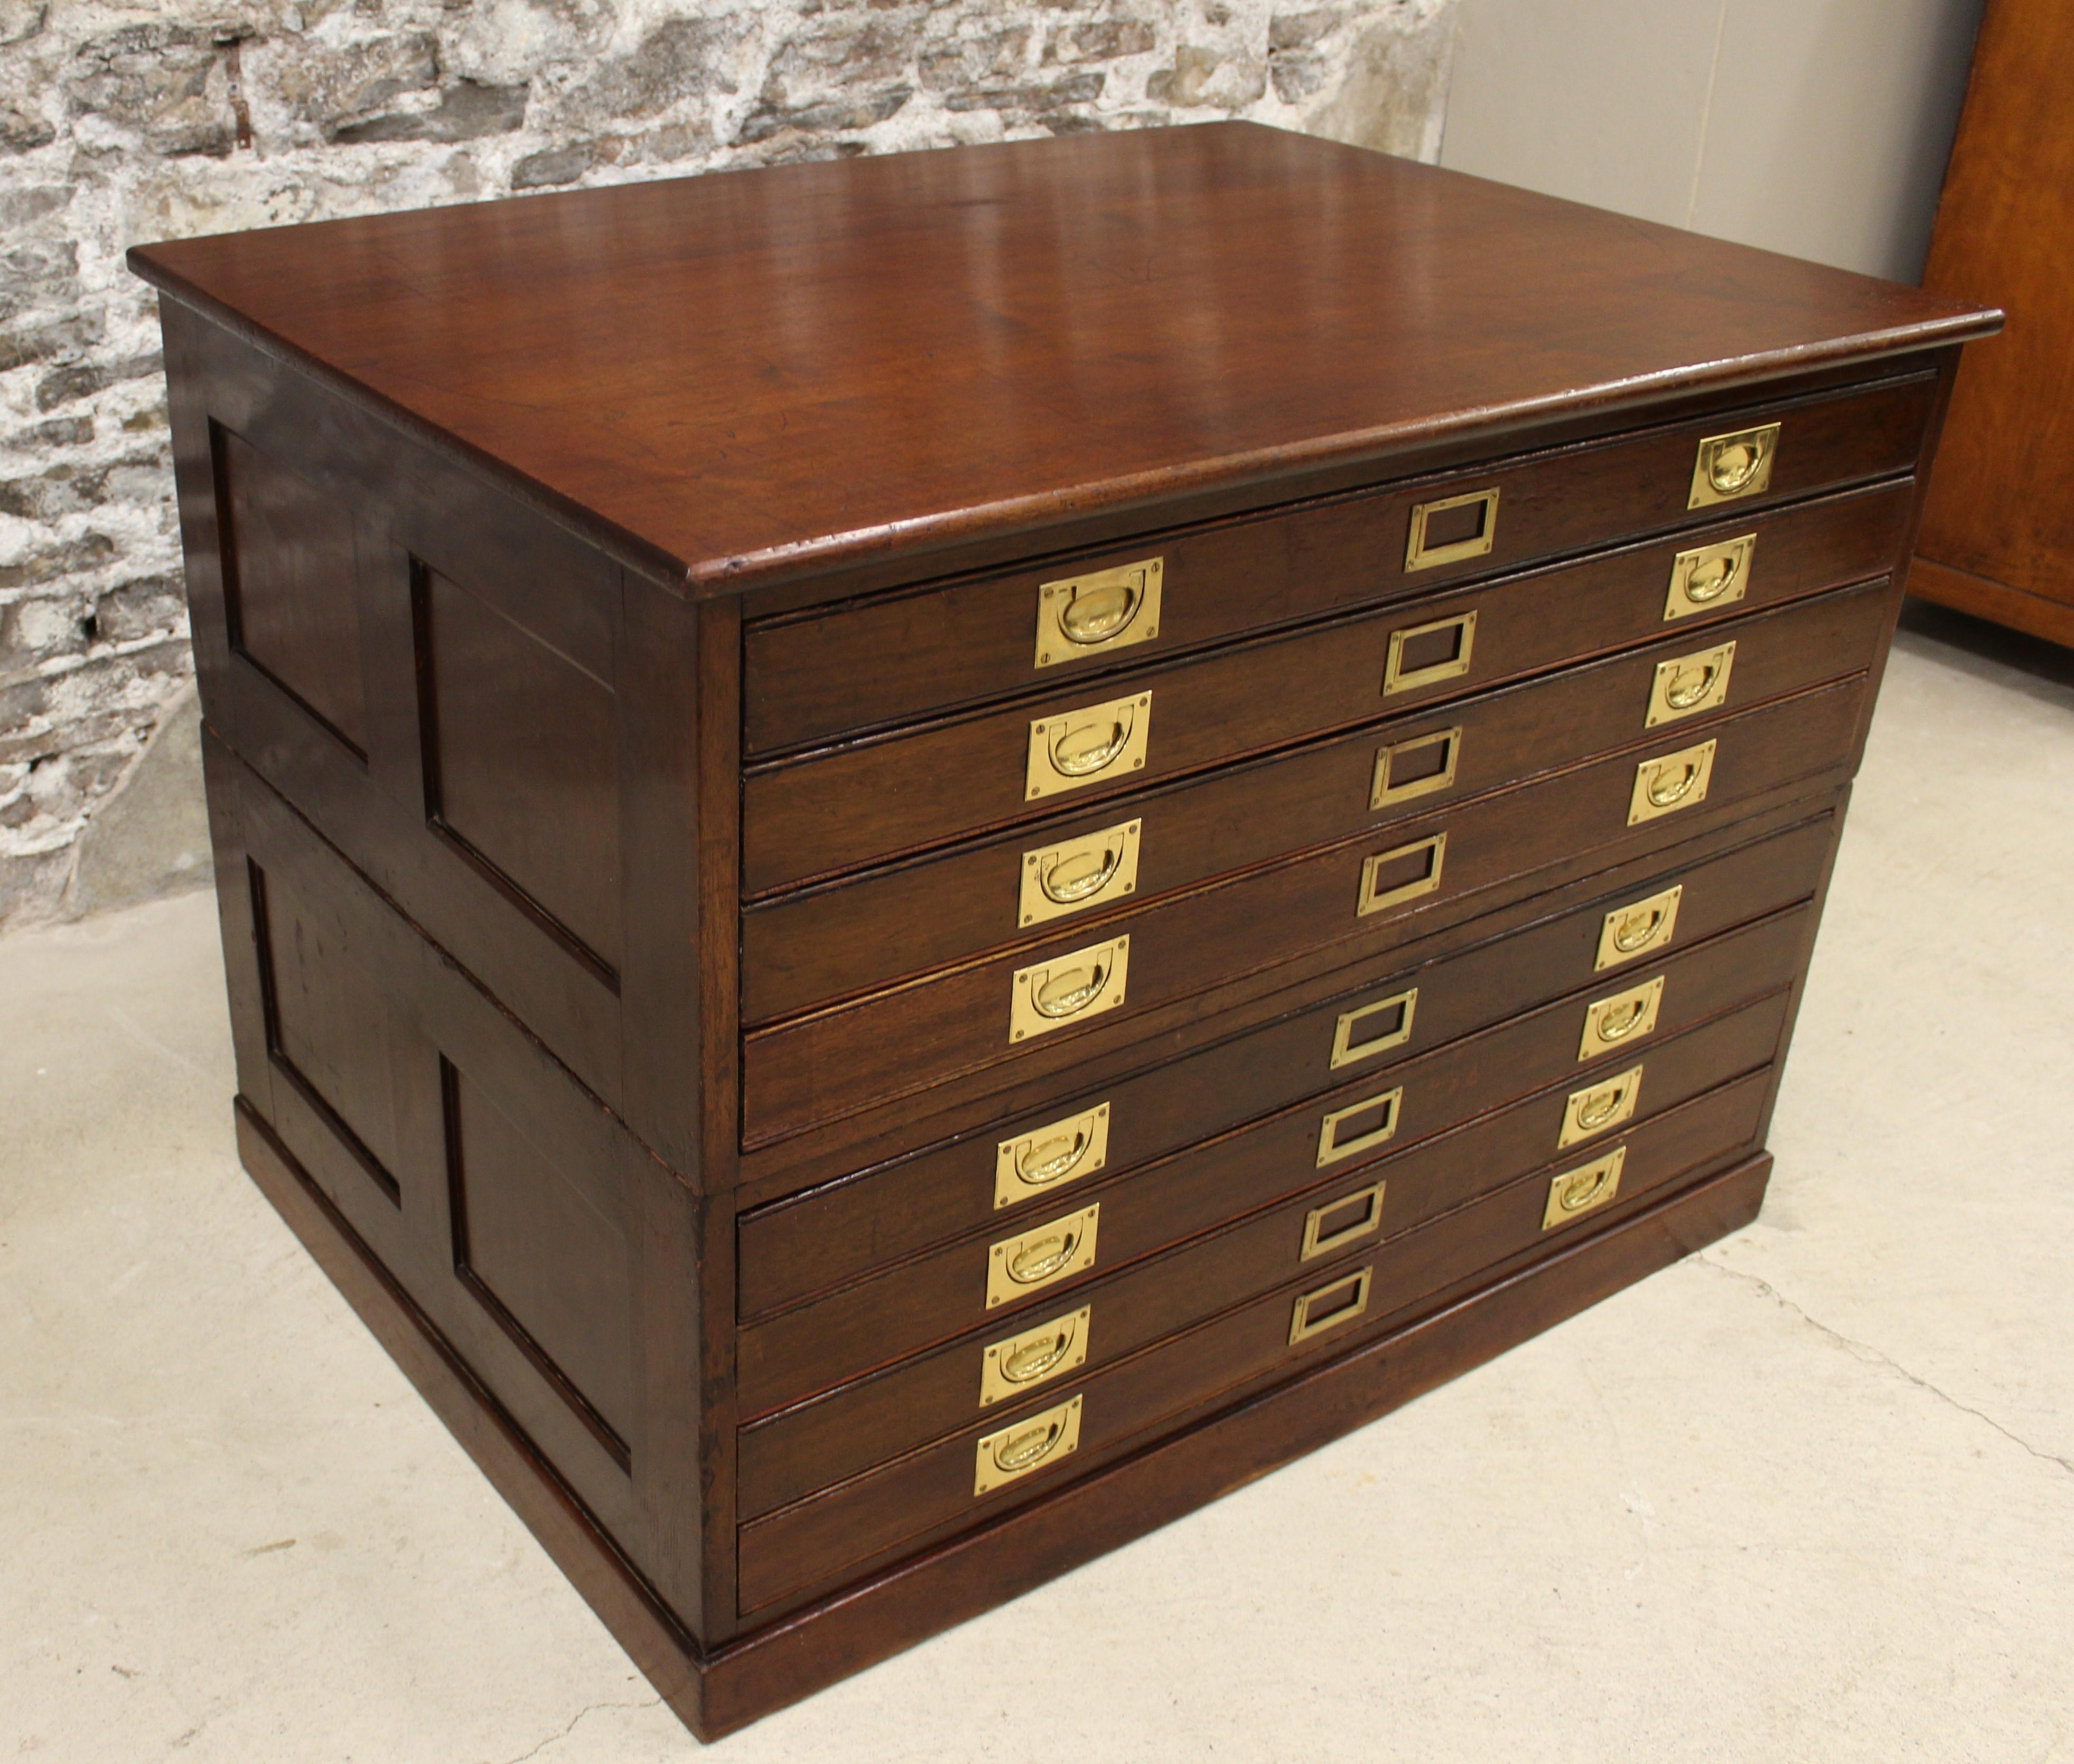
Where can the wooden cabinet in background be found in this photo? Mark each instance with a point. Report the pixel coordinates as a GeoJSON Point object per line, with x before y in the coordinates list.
{"type": "Point", "coordinates": [1997, 536]}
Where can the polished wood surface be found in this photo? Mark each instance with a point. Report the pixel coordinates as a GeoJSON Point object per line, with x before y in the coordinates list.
{"type": "Point", "coordinates": [1998, 531]}
{"type": "Point", "coordinates": [740, 376]}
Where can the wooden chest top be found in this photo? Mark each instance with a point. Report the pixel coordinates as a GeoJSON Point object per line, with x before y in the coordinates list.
{"type": "Point", "coordinates": [727, 380]}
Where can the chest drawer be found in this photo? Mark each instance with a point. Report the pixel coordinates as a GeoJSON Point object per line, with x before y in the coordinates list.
{"type": "Point", "coordinates": [863, 803]}
{"type": "Point", "coordinates": [1367, 891]}
{"type": "Point", "coordinates": [1382, 1015]}
{"type": "Point", "coordinates": [894, 657]}
{"type": "Point", "coordinates": [812, 948]}
{"type": "Point", "coordinates": [931, 1491]}
{"type": "Point", "coordinates": [1428, 1160]}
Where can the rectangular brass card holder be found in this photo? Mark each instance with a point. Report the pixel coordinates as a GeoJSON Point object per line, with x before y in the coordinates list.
{"type": "Point", "coordinates": [1686, 685]}
{"type": "Point", "coordinates": [1026, 1445]}
{"type": "Point", "coordinates": [1330, 1306]}
{"type": "Point", "coordinates": [1050, 1156]}
{"type": "Point", "coordinates": [1624, 1018]}
{"type": "Point", "coordinates": [1422, 766]}
{"type": "Point", "coordinates": [1392, 877]}
{"type": "Point", "coordinates": [1369, 1029]}
{"type": "Point", "coordinates": [1023, 1362]}
{"type": "Point", "coordinates": [1599, 1108]}
{"type": "Point", "coordinates": [1634, 931]}
{"type": "Point", "coordinates": [1078, 874]}
{"type": "Point", "coordinates": [1384, 1107]}
{"type": "Point", "coordinates": [1338, 1223]}
{"type": "Point", "coordinates": [1584, 1189]}
{"type": "Point", "coordinates": [1671, 782]}
{"type": "Point", "coordinates": [1729, 466]}
{"type": "Point", "coordinates": [1064, 990]}
{"type": "Point", "coordinates": [1432, 541]}
{"type": "Point", "coordinates": [1041, 1256]}
{"type": "Point", "coordinates": [1451, 642]}
{"type": "Point", "coordinates": [1104, 610]}
{"type": "Point", "coordinates": [1097, 743]}
{"type": "Point", "coordinates": [1709, 576]}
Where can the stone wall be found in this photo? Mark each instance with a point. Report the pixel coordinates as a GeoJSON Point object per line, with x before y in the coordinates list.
{"type": "Point", "coordinates": [121, 124]}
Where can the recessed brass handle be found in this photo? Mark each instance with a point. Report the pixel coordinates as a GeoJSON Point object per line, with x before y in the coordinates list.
{"type": "Point", "coordinates": [1106, 609]}
{"type": "Point", "coordinates": [1359, 1215]}
{"type": "Point", "coordinates": [1331, 1307]}
{"type": "Point", "coordinates": [1641, 926]}
{"type": "Point", "coordinates": [1059, 880]}
{"type": "Point", "coordinates": [1452, 529]}
{"type": "Point", "coordinates": [1048, 995]}
{"type": "Point", "coordinates": [1626, 1017]}
{"type": "Point", "coordinates": [1404, 873]}
{"type": "Point", "coordinates": [1422, 655]}
{"type": "Point", "coordinates": [1688, 684]}
{"type": "Point", "coordinates": [1075, 747]}
{"type": "Point", "coordinates": [1062, 1152]}
{"type": "Point", "coordinates": [1736, 464]}
{"type": "Point", "coordinates": [1688, 689]}
{"type": "Point", "coordinates": [1385, 1106]}
{"type": "Point", "coordinates": [1042, 1254]}
{"type": "Point", "coordinates": [1421, 766]}
{"type": "Point", "coordinates": [1674, 781]}
{"type": "Point", "coordinates": [1070, 880]}
{"type": "Point", "coordinates": [1024, 1360]}
{"type": "Point", "coordinates": [1709, 576]}
{"type": "Point", "coordinates": [1666, 786]}
{"type": "Point", "coordinates": [1022, 1446]}
{"type": "Point", "coordinates": [1397, 1011]}
{"type": "Point", "coordinates": [1588, 1187]}
{"type": "Point", "coordinates": [1598, 1106]}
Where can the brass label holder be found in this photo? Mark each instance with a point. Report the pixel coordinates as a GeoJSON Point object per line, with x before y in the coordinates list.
{"type": "Point", "coordinates": [1377, 892]}
{"type": "Point", "coordinates": [1733, 465]}
{"type": "Point", "coordinates": [1624, 1018]}
{"type": "Point", "coordinates": [1331, 1307]}
{"type": "Point", "coordinates": [1026, 1445]}
{"type": "Point", "coordinates": [1420, 554]}
{"type": "Point", "coordinates": [1409, 769]}
{"type": "Point", "coordinates": [1385, 1105]}
{"type": "Point", "coordinates": [1590, 1186]}
{"type": "Point", "coordinates": [1672, 782]}
{"type": "Point", "coordinates": [1097, 743]}
{"type": "Point", "coordinates": [1686, 685]}
{"type": "Point", "coordinates": [1632, 931]}
{"type": "Point", "coordinates": [1709, 576]}
{"type": "Point", "coordinates": [1322, 1236]}
{"type": "Point", "coordinates": [1064, 990]}
{"type": "Point", "coordinates": [1041, 1256]}
{"type": "Point", "coordinates": [1079, 874]}
{"type": "Point", "coordinates": [1348, 1050]}
{"type": "Point", "coordinates": [1599, 1108]}
{"type": "Point", "coordinates": [1398, 677]}
{"type": "Point", "coordinates": [1104, 610]}
{"type": "Point", "coordinates": [1035, 1357]}
{"type": "Point", "coordinates": [1048, 1157]}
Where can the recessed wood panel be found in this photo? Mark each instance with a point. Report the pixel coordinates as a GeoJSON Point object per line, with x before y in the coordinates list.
{"type": "Point", "coordinates": [522, 762]}
{"type": "Point", "coordinates": [547, 1255]}
{"type": "Point", "coordinates": [290, 584]}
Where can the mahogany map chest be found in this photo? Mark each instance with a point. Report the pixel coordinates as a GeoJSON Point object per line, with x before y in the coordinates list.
{"type": "Point", "coordinates": [922, 859]}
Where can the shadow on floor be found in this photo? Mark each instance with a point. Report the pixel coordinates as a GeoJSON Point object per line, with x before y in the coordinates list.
{"type": "Point", "coordinates": [1988, 651]}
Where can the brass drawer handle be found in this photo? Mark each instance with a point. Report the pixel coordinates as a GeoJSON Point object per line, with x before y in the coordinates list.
{"type": "Point", "coordinates": [1049, 995]}
{"type": "Point", "coordinates": [1062, 1152]}
{"type": "Point", "coordinates": [1584, 1189]}
{"type": "Point", "coordinates": [1688, 684]}
{"type": "Point", "coordinates": [1642, 925]}
{"type": "Point", "coordinates": [1709, 574]}
{"type": "Point", "coordinates": [1075, 747]}
{"type": "Point", "coordinates": [1598, 1106]}
{"type": "Point", "coordinates": [1061, 878]}
{"type": "Point", "coordinates": [1421, 766]}
{"type": "Point", "coordinates": [1686, 689]}
{"type": "Point", "coordinates": [1426, 654]}
{"type": "Point", "coordinates": [1042, 1254]}
{"type": "Point", "coordinates": [1332, 1149]}
{"type": "Point", "coordinates": [1626, 1017]}
{"type": "Point", "coordinates": [1108, 609]}
{"type": "Point", "coordinates": [1392, 877]}
{"type": "Point", "coordinates": [1347, 1051]}
{"type": "Point", "coordinates": [1450, 530]}
{"type": "Point", "coordinates": [1676, 781]}
{"type": "Point", "coordinates": [1320, 1240]}
{"type": "Point", "coordinates": [1728, 466]}
{"type": "Point", "coordinates": [1330, 1306]}
{"type": "Point", "coordinates": [1022, 1446]}
{"type": "Point", "coordinates": [1022, 1361]}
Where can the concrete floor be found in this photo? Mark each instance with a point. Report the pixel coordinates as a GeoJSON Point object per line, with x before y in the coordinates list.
{"type": "Point", "coordinates": [1808, 1496]}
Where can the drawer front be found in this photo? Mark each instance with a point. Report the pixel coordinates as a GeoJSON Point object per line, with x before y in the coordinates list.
{"type": "Point", "coordinates": [830, 943]}
{"type": "Point", "coordinates": [1381, 1015]}
{"type": "Point", "coordinates": [898, 1508]}
{"type": "Point", "coordinates": [874, 800]}
{"type": "Point", "coordinates": [896, 656]}
{"type": "Point", "coordinates": [1405, 1127]}
{"type": "Point", "coordinates": [1408, 878]}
